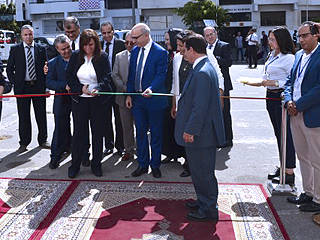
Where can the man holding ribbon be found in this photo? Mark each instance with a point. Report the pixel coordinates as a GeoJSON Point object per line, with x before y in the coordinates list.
{"type": "Point", "coordinates": [25, 71]}
{"type": "Point", "coordinates": [147, 74]}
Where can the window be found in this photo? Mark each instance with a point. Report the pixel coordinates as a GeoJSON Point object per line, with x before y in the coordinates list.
{"type": "Point", "coordinates": [160, 22]}
{"type": "Point", "coordinates": [120, 4]}
{"type": "Point", "coordinates": [312, 16]}
{"type": "Point", "coordinates": [273, 18]}
{"type": "Point", "coordinates": [240, 17]}
{"type": "Point", "coordinates": [233, 2]}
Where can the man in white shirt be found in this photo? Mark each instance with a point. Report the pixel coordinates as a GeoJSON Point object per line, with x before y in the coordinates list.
{"type": "Point", "coordinates": [252, 40]}
{"type": "Point", "coordinates": [71, 27]}
{"type": "Point", "coordinates": [303, 102]}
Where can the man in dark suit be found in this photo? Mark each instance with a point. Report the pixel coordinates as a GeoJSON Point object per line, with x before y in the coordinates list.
{"type": "Point", "coordinates": [61, 140]}
{"type": "Point", "coordinates": [199, 128]}
{"type": "Point", "coordinates": [302, 91]}
{"type": "Point", "coordinates": [222, 52]}
{"type": "Point", "coordinates": [112, 46]}
{"type": "Point", "coordinates": [25, 71]}
{"type": "Point", "coordinates": [147, 74]}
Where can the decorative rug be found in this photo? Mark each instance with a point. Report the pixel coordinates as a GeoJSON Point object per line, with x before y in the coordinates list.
{"type": "Point", "coordinates": [81, 209]}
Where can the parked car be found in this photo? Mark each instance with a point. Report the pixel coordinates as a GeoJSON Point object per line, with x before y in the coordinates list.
{"type": "Point", "coordinates": [7, 39]}
{"type": "Point", "coordinates": [48, 43]}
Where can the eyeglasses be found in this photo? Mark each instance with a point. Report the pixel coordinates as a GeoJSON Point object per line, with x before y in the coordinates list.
{"type": "Point", "coordinates": [133, 37]}
{"type": "Point", "coordinates": [129, 43]}
{"type": "Point", "coordinates": [304, 35]}
{"type": "Point", "coordinates": [272, 40]}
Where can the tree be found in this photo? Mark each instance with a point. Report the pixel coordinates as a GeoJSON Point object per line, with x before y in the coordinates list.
{"type": "Point", "coordinates": [202, 9]}
{"type": "Point", "coordinates": [9, 10]}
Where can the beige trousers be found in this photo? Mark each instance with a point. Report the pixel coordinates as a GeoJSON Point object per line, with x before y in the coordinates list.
{"type": "Point", "coordinates": [307, 145]}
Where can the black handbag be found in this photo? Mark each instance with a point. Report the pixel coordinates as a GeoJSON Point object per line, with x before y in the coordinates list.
{"type": "Point", "coordinates": [6, 84]}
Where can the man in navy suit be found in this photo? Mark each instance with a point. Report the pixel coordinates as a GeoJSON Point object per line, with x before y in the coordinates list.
{"type": "Point", "coordinates": [61, 140]}
{"type": "Point", "coordinates": [199, 128]}
{"type": "Point", "coordinates": [147, 74]}
{"type": "Point", "coordinates": [25, 71]}
{"type": "Point", "coordinates": [112, 46]}
{"type": "Point", "coordinates": [222, 52]}
{"type": "Point", "coordinates": [302, 97]}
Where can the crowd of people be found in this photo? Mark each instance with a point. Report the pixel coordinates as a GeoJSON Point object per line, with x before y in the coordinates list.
{"type": "Point", "coordinates": [192, 124]}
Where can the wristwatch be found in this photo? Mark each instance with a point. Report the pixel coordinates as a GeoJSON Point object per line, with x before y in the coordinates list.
{"type": "Point", "coordinates": [276, 83]}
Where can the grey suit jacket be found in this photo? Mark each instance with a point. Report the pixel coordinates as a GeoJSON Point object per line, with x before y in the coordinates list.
{"type": "Point", "coordinates": [120, 75]}
{"type": "Point", "coordinates": [199, 110]}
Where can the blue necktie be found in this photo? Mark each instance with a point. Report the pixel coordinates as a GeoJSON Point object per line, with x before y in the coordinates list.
{"type": "Point", "coordinates": [138, 72]}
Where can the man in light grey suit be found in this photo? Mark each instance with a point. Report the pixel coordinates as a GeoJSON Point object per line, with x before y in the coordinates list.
{"type": "Point", "coordinates": [199, 128]}
{"type": "Point", "coordinates": [120, 78]}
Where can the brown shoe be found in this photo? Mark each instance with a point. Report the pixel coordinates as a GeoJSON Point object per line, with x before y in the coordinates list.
{"type": "Point", "coordinates": [127, 157]}
{"type": "Point", "coordinates": [316, 218]}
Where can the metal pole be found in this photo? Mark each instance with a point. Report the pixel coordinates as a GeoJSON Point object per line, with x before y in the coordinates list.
{"type": "Point", "coordinates": [133, 13]}
{"type": "Point", "coordinates": [283, 145]}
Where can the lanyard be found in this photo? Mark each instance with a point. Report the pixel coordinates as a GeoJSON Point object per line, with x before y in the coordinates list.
{"type": "Point", "coordinates": [300, 69]}
{"type": "Point", "coordinates": [271, 61]}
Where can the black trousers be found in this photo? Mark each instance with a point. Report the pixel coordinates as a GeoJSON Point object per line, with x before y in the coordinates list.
{"type": "Point", "coordinates": [61, 139]}
{"type": "Point", "coordinates": [227, 117]}
{"type": "Point", "coordinates": [39, 107]}
{"type": "Point", "coordinates": [87, 111]}
{"type": "Point", "coordinates": [109, 135]}
{"type": "Point", "coordinates": [275, 113]}
{"type": "Point", "coordinates": [252, 55]}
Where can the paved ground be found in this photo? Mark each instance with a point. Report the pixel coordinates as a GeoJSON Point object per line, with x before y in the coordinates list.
{"type": "Point", "coordinates": [252, 157]}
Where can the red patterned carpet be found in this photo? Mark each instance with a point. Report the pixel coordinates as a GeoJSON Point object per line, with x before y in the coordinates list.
{"type": "Point", "coordinates": [40, 209]}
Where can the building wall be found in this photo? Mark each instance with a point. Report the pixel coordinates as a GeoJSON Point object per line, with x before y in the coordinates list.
{"type": "Point", "coordinates": [156, 13]}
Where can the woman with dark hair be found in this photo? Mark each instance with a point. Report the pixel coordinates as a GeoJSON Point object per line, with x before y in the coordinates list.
{"type": "Point", "coordinates": [169, 147]}
{"type": "Point", "coordinates": [276, 69]}
{"type": "Point", "coordinates": [87, 73]}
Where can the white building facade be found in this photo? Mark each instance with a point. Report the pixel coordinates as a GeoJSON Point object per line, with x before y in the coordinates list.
{"type": "Point", "coordinates": [47, 15]}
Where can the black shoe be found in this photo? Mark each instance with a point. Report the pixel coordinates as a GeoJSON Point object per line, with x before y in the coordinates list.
{"type": "Point", "coordinates": [302, 199]}
{"type": "Point", "coordinates": [276, 173]}
{"type": "Point", "coordinates": [139, 171]}
{"type": "Point", "coordinates": [22, 149]}
{"type": "Point", "coordinates": [120, 151]}
{"type": "Point", "coordinates": [195, 216]}
{"type": "Point", "coordinates": [310, 207]}
{"type": "Point", "coordinates": [97, 172]}
{"type": "Point", "coordinates": [53, 164]}
{"type": "Point", "coordinates": [86, 163]}
{"type": "Point", "coordinates": [289, 179]}
{"type": "Point", "coordinates": [166, 160]}
{"type": "Point", "coordinates": [45, 145]}
{"type": "Point", "coordinates": [156, 172]}
{"type": "Point", "coordinates": [192, 205]}
{"type": "Point", "coordinates": [185, 174]}
{"type": "Point", "coordinates": [107, 151]}
{"type": "Point", "coordinates": [72, 173]}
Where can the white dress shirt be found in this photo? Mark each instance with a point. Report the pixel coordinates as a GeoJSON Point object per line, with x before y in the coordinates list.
{"type": "Point", "coordinates": [76, 43]}
{"type": "Point", "coordinates": [27, 78]}
{"type": "Point", "coordinates": [146, 52]}
{"type": "Point", "coordinates": [278, 68]}
{"type": "Point", "coordinates": [215, 64]}
{"type": "Point", "coordinates": [252, 37]}
{"type": "Point", "coordinates": [87, 76]}
{"type": "Point", "coordinates": [110, 50]}
{"type": "Point", "coordinates": [300, 74]}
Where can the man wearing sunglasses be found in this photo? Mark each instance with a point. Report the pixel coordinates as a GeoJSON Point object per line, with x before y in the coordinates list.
{"type": "Point", "coordinates": [120, 79]}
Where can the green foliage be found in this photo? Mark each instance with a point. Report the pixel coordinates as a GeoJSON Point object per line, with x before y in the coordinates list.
{"type": "Point", "coordinates": [202, 9]}
{"type": "Point", "coordinates": [10, 10]}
